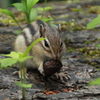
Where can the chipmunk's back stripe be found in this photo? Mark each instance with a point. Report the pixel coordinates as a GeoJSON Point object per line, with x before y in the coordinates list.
{"type": "Point", "coordinates": [26, 42]}
{"type": "Point", "coordinates": [24, 35]}
{"type": "Point", "coordinates": [31, 28]}
{"type": "Point", "coordinates": [40, 22]}
{"type": "Point", "coordinates": [27, 35]}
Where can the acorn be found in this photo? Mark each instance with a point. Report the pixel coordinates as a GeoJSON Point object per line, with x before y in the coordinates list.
{"type": "Point", "coordinates": [51, 66]}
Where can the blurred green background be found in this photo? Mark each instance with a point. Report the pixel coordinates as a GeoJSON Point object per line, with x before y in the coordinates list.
{"type": "Point", "coordinates": [6, 3]}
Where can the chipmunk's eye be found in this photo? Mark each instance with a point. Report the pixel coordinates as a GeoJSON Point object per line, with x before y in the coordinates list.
{"type": "Point", "coordinates": [46, 43]}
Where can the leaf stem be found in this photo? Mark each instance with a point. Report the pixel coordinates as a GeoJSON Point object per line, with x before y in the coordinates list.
{"type": "Point", "coordinates": [18, 24]}
{"type": "Point", "coordinates": [27, 12]}
{"type": "Point", "coordinates": [23, 78]}
{"type": "Point", "coordinates": [31, 45]}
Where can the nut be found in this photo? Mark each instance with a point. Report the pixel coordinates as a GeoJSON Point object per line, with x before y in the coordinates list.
{"type": "Point", "coordinates": [51, 66]}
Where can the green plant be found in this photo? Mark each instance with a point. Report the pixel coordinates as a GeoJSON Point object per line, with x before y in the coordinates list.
{"type": "Point", "coordinates": [94, 82]}
{"type": "Point", "coordinates": [43, 18]}
{"type": "Point", "coordinates": [48, 18]}
{"type": "Point", "coordinates": [26, 6]}
{"type": "Point", "coordinates": [7, 12]}
{"type": "Point", "coordinates": [93, 23]}
{"type": "Point", "coordinates": [17, 57]}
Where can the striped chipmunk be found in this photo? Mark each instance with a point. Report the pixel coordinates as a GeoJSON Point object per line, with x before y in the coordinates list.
{"type": "Point", "coordinates": [50, 48]}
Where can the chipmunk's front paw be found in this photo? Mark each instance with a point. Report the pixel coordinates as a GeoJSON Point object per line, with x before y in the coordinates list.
{"type": "Point", "coordinates": [18, 73]}
{"type": "Point", "coordinates": [62, 76]}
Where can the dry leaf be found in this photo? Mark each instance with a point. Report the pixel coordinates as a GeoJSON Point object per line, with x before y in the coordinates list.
{"type": "Point", "coordinates": [47, 92]}
{"type": "Point", "coordinates": [67, 90]}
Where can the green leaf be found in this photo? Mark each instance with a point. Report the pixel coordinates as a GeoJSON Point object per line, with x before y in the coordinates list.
{"type": "Point", "coordinates": [31, 45]}
{"type": "Point", "coordinates": [17, 31]}
{"type": "Point", "coordinates": [24, 1]}
{"type": "Point", "coordinates": [7, 12]}
{"type": "Point", "coordinates": [53, 25]}
{"type": "Point", "coordinates": [12, 54]}
{"type": "Point", "coordinates": [16, 57]}
{"type": "Point", "coordinates": [33, 14]}
{"type": "Point", "coordinates": [31, 3]}
{"type": "Point", "coordinates": [94, 22]}
{"type": "Point", "coordinates": [20, 7]}
{"type": "Point", "coordinates": [24, 58]}
{"type": "Point", "coordinates": [47, 19]}
{"type": "Point", "coordinates": [97, 45]}
{"type": "Point", "coordinates": [7, 62]}
{"type": "Point", "coordinates": [95, 82]}
{"type": "Point", "coordinates": [23, 85]}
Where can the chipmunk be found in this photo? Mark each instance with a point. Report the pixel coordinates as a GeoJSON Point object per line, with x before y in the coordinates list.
{"type": "Point", "coordinates": [50, 48]}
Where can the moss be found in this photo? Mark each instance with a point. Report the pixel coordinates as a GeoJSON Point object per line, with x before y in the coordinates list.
{"type": "Point", "coordinates": [70, 49]}
{"type": "Point", "coordinates": [87, 42]}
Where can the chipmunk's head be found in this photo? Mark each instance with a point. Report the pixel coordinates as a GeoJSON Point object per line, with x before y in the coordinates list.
{"type": "Point", "coordinates": [53, 45]}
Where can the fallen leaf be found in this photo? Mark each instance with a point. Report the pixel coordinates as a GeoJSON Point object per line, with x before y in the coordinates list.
{"type": "Point", "coordinates": [47, 92]}
{"type": "Point", "coordinates": [67, 90]}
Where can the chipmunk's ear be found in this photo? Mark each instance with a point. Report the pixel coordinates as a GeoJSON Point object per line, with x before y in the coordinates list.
{"type": "Point", "coordinates": [59, 27]}
{"type": "Point", "coordinates": [42, 30]}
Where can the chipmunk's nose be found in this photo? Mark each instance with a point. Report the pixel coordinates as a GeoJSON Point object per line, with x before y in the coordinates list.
{"type": "Point", "coordinates": [56, 57]}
